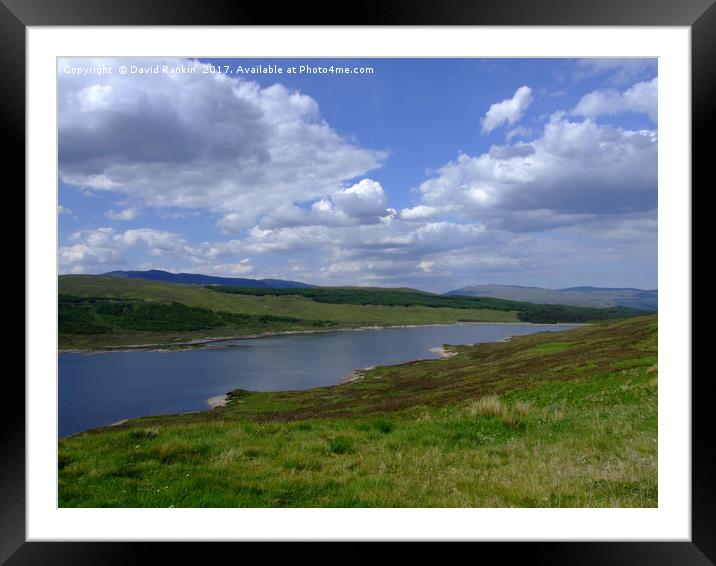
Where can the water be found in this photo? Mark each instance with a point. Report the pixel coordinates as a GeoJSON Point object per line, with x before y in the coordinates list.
{"type": "Point", "coordinates": [100, 389]}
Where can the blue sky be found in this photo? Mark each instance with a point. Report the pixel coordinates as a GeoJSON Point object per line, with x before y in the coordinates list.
{"type": "Point", "coordinates": [431, 173]}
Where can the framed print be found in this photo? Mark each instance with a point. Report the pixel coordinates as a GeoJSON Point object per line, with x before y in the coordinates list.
{"type": "Point", "coordinates": [389, 279]}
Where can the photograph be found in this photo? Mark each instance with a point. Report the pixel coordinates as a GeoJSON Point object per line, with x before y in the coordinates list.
{"type": "Point", "coordinates": [411, 272]}
{"type": "Point", "coordinates": [357, 282]}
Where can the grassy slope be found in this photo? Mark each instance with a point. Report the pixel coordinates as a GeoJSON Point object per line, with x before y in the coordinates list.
{"type": "Point", "coordinates": [346, 316]}
{"type": "Point", "coordinates": [595, 298]}
{"type": "Point", "coordinates": [526, 312]}
{"type": "Point", "coordinates": [103, 322]}
{"type": "Point", "coordinates": [565, 419]}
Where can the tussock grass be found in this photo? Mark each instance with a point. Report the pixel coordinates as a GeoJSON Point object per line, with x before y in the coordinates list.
{"type": "Point", "coordinates": [340, 445]}
{"type": "Point", "coordinates": [489, 406]}
{"type": "Point", "coordinates": [492, 406]}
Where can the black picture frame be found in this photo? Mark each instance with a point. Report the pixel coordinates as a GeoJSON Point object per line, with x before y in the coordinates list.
{"type": "Point", "coordinates": [17, 15]}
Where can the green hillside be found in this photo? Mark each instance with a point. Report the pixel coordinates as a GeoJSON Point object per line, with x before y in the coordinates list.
{"type": "Point", "coordinates": [526, 312]}
{"type": "Point", "coordinates": [545, 420]}
{"type": "Point", "coordinates": [99, 321]}
{"type": "Point", "coordinates": [160, 314]}
{"type": "Point", "coordinates": [596, 297]}
{"type": "Point", "coordinates": [305, 314]}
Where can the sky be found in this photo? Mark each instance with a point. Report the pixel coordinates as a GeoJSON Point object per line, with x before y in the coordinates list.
{"type": "Point", "coordinates": [428, 173]}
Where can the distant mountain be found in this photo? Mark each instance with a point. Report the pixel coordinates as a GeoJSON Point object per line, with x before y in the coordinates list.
{"type": "Point", "coordinates": [281, 284]}
{"type": "Point", "coordinates": [198, 279]}
{"type": "Point", "coordinates": [577, 296]}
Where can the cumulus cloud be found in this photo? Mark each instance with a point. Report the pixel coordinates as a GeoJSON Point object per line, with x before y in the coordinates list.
{"type": "Point", "coordinates": [448, 257]}
{"type": "Point", "coordinates": [508, 111]}
{"type": "Point", "coordinates": [157, 242]}
{"type": "Point", "coordinates": [81, 258]}
{"type": "Point", "coordinates": [404, 243]}
{"type": "Point", "coordinates": [393, 238]}
{"type": "Point", "coordinates": [422, 212]}
{"type": "Point", "coordinates": [575, 168]}
{"type": "Point", "coordinates": [209, 142]}
{"type": "Point", "coordinates": [294, 195]}
{"type": "Point", "coordinates": [362, 203]}
{"type": "Point", "coordinates": [363, 200]}
{"type": "Point", "coordinates": [94, 249]}
{"type": "Point", "coordinates": [642, 98]}
{"type": "Point", "coordinates": [90, 249]}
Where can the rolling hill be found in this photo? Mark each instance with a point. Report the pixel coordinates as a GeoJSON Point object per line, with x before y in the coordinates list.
{"type": "Point", "coordinates": [100, 311]}
{"type": "Point", "coordinates": [596, 297]}
{"type": "Point", "coordinates": [199, 279]}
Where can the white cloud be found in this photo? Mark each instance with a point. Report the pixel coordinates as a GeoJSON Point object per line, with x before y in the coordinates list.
{"type": "Point", "coordinates": [617, 70]}
{"type": "Point", "coordinates": [573, 169]}
{"type": "Point", "coordinates": [394, 238]}
{"type": "Point", "coordinates": [63, 210]}
{"type": "Point", "coordinates": [422, 212]}
{"type": "Point", "coordinates": [94, 249]}
{"type": "Point", "coordinates": [235, 222]}
{"type": "Point", "coordinates": [495, 256]}
{"type": "Point", "coordinates": [641, 98]}
{"type": "Point", "coordinates": [83, 254]}
{"type": "Point", "coordinates": [208, 142]}
{"type": "Point", "coordinates": [157, 241]}
{"type": "Point", "coordinates": [363, 200]}
{"type": "Point", "coordinates": [401, 243]}
{"type": "Point", "coordinates": [239, 269]}
{"type": "Point", "coordinates": [90, 249]}
{"type": "Point", "coordinates": [518, 132]}
{"type": "Point", "coordinates": [264, 163]}
{"type": "Point", "coordinates": [243, 267]}
{"type": "Point", "coordinates": [508, 111]}
{"type": "Point", "coordinates": [98, 249]}
{"type": "Point", "coordinates": [361, 203]}
{"type": "Point", "coordinates": [426, 266]}
{"type": "Point", "coordinates": [122, 215]}
{"type": "Point", "coordinates": [94, 97]}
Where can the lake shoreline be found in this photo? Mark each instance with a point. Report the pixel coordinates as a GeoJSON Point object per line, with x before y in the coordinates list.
{"type": "Point", "coordinates": [207, 342]}
{"type": "Point", "coordinates": [443, 351]}
{"type": "Point", "coordinates": [451, 335]}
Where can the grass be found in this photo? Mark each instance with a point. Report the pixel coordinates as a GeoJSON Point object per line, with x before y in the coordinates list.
{"type": "Point", "coordinates": [292, 306]}
{"type": "Point", "coordinates": [524, 423]}
{"type": "Point", "coordinates": [152, 324]}
{"type": "Point", "coordinates": [526, 312]}
{"type": "Point", "coordinates": [99, 321]}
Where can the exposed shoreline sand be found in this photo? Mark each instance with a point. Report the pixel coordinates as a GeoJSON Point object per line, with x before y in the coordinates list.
{"type": "Point", "coordinates": [218, 401]}
{"type": "Point", "coordinates": [445, 353]}
{"type": "Point", "coordinates": [355, 375]}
